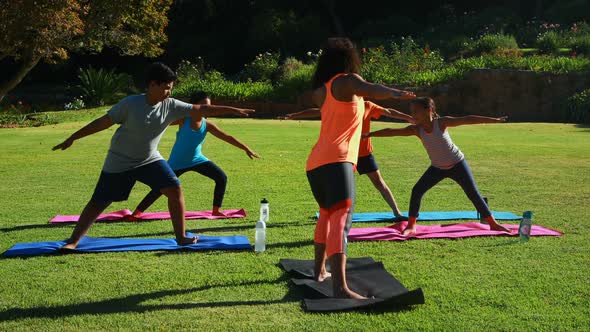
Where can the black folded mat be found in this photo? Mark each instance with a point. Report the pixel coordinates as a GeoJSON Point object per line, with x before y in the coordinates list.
{"type": "Point", "coordinates": [364, 276]}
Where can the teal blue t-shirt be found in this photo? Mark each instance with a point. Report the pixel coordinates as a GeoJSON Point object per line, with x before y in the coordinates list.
{"type": "Point", "coordinates": [186, 151]}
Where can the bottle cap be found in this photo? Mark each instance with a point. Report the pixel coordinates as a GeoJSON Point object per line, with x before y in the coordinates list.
{"type": "Point", "coordinates": [264, 201]}
{"type": "Point", "coordinates": [528, 215]}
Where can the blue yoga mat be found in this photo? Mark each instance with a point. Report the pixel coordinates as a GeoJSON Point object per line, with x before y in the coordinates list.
{"type": "Point", "coordinates": [430, 216]}
{"type": "Point", "coordinates": [91, 244]}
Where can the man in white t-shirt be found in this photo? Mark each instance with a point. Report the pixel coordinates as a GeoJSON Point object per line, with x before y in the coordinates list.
{"type": "Point", "coordinates": [133, 154]}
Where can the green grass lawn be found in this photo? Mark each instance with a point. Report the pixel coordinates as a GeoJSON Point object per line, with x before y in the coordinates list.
{"type": "Point", "coordinates": [472, 284]}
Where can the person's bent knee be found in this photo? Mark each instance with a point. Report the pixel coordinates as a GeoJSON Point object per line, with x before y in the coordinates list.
{"type": "Point", "coordinates": [99, 203]}
{"type": "Point", "coordinates": [221, 179]}
{"type": "Point", "coordinates": [174, 192]}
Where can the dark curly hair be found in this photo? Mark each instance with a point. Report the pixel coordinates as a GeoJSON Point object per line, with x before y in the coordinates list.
{"type": "Point", "coordinates": [339, 55]}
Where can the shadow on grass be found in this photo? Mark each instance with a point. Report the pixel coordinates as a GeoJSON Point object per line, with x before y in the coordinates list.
{"type": "Point", "coordinates": [235, 228]}
{"type": "Point", "coordinates": [132, 303]}
{"type": "Point", "coordinates": [200, 230]}
{"type": "Point", "coordinates": [32, 226]}
{"type": "Point", "coordinates": [510, 242]}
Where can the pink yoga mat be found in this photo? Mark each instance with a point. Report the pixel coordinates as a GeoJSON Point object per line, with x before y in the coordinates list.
{"type": "Point", "coordinates": [451, 231]}
{"type": "Point", "coordinates": [124, 215]}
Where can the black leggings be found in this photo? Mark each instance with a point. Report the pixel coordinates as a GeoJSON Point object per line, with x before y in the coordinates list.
{"type": "Point", "coordinates": [208, 169]}
{"type": "Point", "coordinates": [460, 173]}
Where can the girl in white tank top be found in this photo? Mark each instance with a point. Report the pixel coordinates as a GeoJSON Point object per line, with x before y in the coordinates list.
{"type": "Point", "coordinates": [447, 161]}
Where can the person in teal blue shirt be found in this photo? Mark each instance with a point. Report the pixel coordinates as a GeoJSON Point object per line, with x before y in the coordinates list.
{"type": "Point", "coordinates": [187, 155]}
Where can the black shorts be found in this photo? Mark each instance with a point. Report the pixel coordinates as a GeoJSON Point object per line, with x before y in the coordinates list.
{"type": "Point", "coordinates": [116, 187]}
{"type": "Point", "coordinates": [367, 164]}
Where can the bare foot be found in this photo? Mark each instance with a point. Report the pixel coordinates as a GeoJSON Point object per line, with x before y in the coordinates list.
{"type": "Point", "coordinates": [498, 227]}
{"type": "Point", "coordinates": [409, 231]}
{"type": "Point", "coordinates": [69, 246]}
{"type": "Point", "coordinates": [185, 241]}
{"type": "Point", "coordinates": [348, 294]}
{"type": "Point", "coordinates": [218, 214]}
{"type": "Point", "coordinates": [322, 276]}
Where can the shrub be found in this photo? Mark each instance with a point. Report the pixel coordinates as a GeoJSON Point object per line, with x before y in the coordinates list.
{"type": "Point", "coordinates": [578, 107]}
{"type": "Point", "coordinates": [581, 44]}
{"type": "Point", "coordinates": [21, 114]}
{"type": "Point", "coordinates": [551, 41]}
{"type": "Point", "coordinates": [76, 104]}
{"type": "Point", "coordinates": [188, 70]}
{"type": "Point", "coordinates": [101, 87]}
{"type": "Point", "coordinates": [397, 63]}
{"type": "Point", "coordinates": [294, 79]}
{"type": "Point", "coordinates": [541, 63]}
{"type": "Point", "coordinates": [263, 68]}
{"type": "Point", "coordinates": [221, 88]}
{"type": "Point", "coordinates": [492, 43]}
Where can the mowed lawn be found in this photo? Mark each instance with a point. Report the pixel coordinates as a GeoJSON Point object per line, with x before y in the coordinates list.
{"type": "Point", "coordinates": [491, 283]}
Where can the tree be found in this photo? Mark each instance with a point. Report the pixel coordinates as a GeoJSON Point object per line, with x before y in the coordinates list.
{"type": "Point", "coordinates": [49, 30]}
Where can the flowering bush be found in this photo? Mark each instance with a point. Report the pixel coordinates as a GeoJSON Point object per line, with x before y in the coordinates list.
{"type": "Point", "coordinates": [495, 43]}
{"type": "Point", "coordinates": [18, 113]}
{"type": "Point", "coordinates": [74, 105]}
{"type": "Point", "coordinates": [579, 107]}
{"type": "Point", "coordinates": [263, 68]}
{"type": "Point", "coordinates": [399, 61]}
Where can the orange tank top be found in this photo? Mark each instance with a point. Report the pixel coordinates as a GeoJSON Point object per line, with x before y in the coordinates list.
{"type": "Point", "coordinates": [372, 111]}
{"type": "Point", "coordinates": [340, 132]}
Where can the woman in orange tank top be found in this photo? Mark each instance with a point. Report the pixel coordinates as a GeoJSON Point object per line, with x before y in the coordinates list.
{"type": "Point", "coordinates": [338, 92]}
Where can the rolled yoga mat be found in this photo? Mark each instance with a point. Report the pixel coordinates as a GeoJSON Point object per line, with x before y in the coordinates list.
{"type": "Point", "coordinates": [452, 231]}
{"type": "Point", "coordinates": [364, 276]}
{"type": "Point", "coordinates": [429, 216]}
{"type": "Point", "coordinates": [124, 215]}
{"type": "Point", "coordinates": [97, 245]}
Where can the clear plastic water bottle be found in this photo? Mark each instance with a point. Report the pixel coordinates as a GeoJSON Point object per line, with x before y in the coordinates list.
{"type": "Point", "coordinates": [264, 210]}
{"type": "Point", "coordinates": [260, 241]}
{"type": "Point", "coordinates": [524, 230]}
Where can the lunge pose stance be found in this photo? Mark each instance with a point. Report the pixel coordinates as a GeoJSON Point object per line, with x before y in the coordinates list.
{"type": "Point", "coordinates": [338, 92]}
{"type": "Point", "coordinates": [133, 154]}
{"type": "Point", "coordinates": [366, 161]}
{"type": "Point", "coordinates": [187, 155]}
{"type": "Point", "coordinates": [446, 158]}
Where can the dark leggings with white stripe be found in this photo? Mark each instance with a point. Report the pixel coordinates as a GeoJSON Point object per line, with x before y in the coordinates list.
{"type": "Point", "coordinates": [460, 173]}
{"type": "Point", "coordinates": [208, 169]}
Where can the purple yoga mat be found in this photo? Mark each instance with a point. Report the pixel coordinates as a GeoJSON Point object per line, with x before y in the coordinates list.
{"type": "Point", "coordinates": [451, 231]}
{"type": "Point", "coordinates": [125, 215]}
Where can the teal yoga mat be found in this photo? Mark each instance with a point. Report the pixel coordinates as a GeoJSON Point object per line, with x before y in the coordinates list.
{"type": "Point", "coordinates": [429, 216]}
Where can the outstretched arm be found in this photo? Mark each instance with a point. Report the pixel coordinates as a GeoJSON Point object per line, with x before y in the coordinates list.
{"type": "Point", "coordinates": [358, 86]}
{"type": "Point", "coordinates": [306, 114]}
{"type": "Point", "coordinates": [215, 131]}
{"type": "Point", "coordinates": [202, 110]}
{"type": "Point", "coordinates": [388, 132]}
{"type": "Point", "coordinates": [93, 127]}
{"type": "Point", "coordinates": [449, 121]}
{"type": "Point", "coordinates": [395, 114]}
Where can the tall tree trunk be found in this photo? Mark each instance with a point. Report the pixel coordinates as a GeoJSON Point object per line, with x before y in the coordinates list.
{"type": "Point", "coordinates": [29, 62]}
{"type": "Point", "coordinates": [336, 21]}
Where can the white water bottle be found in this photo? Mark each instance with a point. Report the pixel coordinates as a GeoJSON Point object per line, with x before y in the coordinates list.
{"type": "Point", "coordinates": [260, 240]}
{"type": "Point", "coordinates": [524, 230]}
{"type": "Point", "coordinates": [264, 210]}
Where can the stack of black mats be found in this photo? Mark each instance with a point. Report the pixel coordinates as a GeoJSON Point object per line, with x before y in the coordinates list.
{"type": "Point", "coordinates": [364, 275]}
